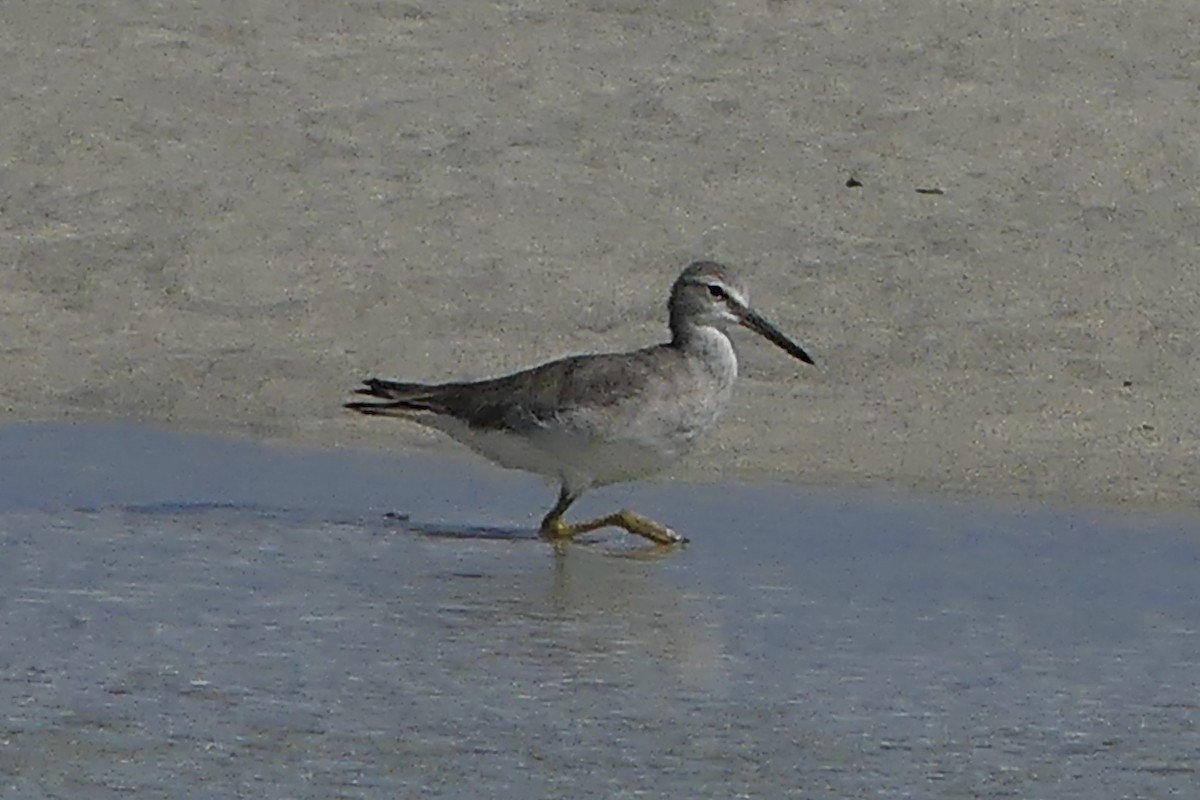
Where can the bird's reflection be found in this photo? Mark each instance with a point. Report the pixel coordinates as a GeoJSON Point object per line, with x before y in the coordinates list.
{"type": "Point", "coordinates": [597, 610]}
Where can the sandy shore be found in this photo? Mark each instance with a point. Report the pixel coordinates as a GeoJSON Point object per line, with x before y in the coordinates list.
{"type": "Point", "coordinates": [221, 221]}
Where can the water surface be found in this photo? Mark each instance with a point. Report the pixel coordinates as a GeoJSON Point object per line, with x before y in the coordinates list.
{"type": "Point", "coordinates": [190, 617]}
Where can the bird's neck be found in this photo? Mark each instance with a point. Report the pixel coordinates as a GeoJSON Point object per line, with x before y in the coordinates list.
{"type": "Point", "coordinates": [710, 346]}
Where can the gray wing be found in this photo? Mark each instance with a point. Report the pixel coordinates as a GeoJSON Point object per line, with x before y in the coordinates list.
{"type": "Point", "coordinates": [533, 398]}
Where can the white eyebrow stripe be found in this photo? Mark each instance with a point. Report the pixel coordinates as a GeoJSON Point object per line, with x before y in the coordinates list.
{"type": "Point", "coordinates": [730, 292]}
{"type": "Point", "coordinates": [733, 293]}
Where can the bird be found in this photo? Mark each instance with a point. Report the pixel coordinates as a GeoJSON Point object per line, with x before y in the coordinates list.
{"type": "Point", "coordinates": [602, 418]}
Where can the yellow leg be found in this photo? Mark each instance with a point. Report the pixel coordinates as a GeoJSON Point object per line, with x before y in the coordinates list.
{"type": "Point", "coordinates": [632, 522]}
{"type": "Point", "coordinates": [554, 527]}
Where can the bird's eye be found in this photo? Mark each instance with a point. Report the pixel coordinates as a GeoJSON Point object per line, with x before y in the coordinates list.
{"type": "Point", "coordinates": [716, 291]}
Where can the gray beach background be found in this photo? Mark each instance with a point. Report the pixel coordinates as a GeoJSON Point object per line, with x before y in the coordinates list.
{"type": "Point", "coordinates": [957, 559]}
{"type": "Point", "coordinates": [220, 215]}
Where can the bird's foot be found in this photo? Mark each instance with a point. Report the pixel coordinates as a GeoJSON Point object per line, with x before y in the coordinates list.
{"type": "Point", "coordinates": [556, 528]}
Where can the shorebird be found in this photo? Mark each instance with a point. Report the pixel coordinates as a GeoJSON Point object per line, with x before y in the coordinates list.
{"type": "Point", "coordinates": [598, 419]}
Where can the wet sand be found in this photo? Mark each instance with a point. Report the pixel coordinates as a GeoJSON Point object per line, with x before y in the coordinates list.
{"type": "Point", "coordinates": [219, 217]}
{"type": "Point", "coordinates": [188, 617]}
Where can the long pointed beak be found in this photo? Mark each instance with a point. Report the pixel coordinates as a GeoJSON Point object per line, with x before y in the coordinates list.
{"type": "Point", "coordinates": [759, 324]}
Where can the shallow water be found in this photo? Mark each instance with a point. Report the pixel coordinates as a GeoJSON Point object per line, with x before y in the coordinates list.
{"type": "Point", "coordinates": [189, 617]}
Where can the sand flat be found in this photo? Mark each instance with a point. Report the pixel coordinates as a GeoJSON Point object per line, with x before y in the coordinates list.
{"type": "Point", "coordinates": [220, 219]}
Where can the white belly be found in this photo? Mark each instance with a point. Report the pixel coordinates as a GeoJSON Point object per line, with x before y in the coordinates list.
{"type": "Point", "coordinates": [599, 446]}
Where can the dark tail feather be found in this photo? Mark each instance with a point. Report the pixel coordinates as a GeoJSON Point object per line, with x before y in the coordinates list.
{"type": "Point", "coordinates": [403, 396]}
{"type": "Point", "coordinates": [380, 409]}
{"type": "Point", "coordinates": [394, 390]}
